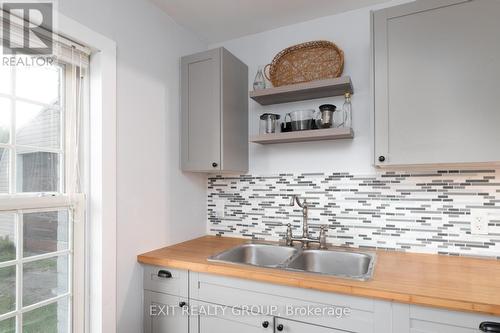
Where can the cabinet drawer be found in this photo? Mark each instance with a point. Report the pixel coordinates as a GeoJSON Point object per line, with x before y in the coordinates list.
{"type": "Point", "coordinates": [432, 320]}
{"type": "Point", "coordinates": [166, 280]}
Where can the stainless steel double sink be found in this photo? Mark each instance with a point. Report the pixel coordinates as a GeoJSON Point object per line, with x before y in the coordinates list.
{"type": "Point", "coordinates": [336, 262]}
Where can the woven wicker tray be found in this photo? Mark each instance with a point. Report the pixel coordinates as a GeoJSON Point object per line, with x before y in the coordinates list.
{"type": "Point", "coordinates": [315, 60]}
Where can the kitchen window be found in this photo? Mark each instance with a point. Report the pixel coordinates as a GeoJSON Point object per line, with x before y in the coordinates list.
{"type": "Point", "coordinates": [42, 207]}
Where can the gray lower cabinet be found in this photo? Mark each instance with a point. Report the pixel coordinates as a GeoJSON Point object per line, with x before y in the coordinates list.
{"type": "Point", "coordinates": [214, 112]}
{"type": "Point", "coordinates": [293, 304]}
{"type": "Point", "coordinates": [436, 88]}
{"type": "Point", "coordinates": [227, 305]}
{"type": "Point", "coordinates": [163, 314]}
{"type": "Point", "coordinates": [165, 300]}
{"type": "Point", "coordinates": [224, 319]}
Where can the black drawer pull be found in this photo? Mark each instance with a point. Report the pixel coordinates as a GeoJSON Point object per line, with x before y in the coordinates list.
{"type": "Point", "coordinates": [164, 274]}
{"type": "Point", "coordinates": [489, 326]}
{"type": "Point", "coordinates": [280, 327]}
{"type": "Point", "coordinates": [265, 324]}
{"type": "Point", "coordinates": [182, 304]}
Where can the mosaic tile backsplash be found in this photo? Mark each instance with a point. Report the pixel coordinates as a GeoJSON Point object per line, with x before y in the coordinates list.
{"type": "Point", "coordinates": [426, 212]}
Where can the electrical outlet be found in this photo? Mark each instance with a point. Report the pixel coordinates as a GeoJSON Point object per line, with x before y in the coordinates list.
{"type": "Point", "coordinates": [220, 209]}
{"type": "Point", "coordinates": [479, 225]}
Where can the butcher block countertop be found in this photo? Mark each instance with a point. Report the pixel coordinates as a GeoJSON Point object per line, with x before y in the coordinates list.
{"type": "Point", "coordinates": [455, 283]}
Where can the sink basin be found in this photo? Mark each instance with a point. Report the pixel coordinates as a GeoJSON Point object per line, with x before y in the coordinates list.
{"type": "Point", "coordinates": [348, 264]}
{"type": "Point", "coordinates": [354, 265]}
{"type": "Point", "coordinates": [256, 254]}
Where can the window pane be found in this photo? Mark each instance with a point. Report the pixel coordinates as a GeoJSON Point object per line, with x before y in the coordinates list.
{"type": "Point", "coordinates": [4, 170]}
{"type": "Point", "coordinates": [5, 113]}
{"type": "Point", "coordinates": [8, 325]}
{"type": "Point", "coordinates": [52, 318]}
{"type": "Point", "coordinates": [37, 125]}
{"type": "Point", "coordinates": [45, 232]}
{"type": "Point", "coordinates": [5, 80]}
{"type": "Point", "coordinates": [37, 171]}
{"type": "Point", "coordinates": [7, 237]}
{"type": "Point", "coordinates": [7, 289]}
{"type": "Point", "coordinates": [38, 83]}
{"type": "Point", "coordinates": [44, 279]}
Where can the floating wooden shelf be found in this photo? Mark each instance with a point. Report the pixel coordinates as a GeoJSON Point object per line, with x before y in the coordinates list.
{"type": "Point", "coordinates": [303, 91]}
{"type": "Point", "coordinates": [300, 136]}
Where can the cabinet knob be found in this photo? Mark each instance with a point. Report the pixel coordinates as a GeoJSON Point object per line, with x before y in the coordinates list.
{"type": "Point", "coordinates": [489, 326]}
{"type": "Point", "coordinates": [164, 274]}
{"type": "Point", "coordinates": [280, 327]}
{"type": "Point", "coordinates": [265, 324]}
{"type": "Point", "coordinates": [215, 165]}
{"type": "Point", "coordinates": [182, 304]}
{"type": "Point", "coordinates": [381, 158]}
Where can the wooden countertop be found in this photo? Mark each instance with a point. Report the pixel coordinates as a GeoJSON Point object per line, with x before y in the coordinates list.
{"type": "Point", "coordinates": [456, 283]}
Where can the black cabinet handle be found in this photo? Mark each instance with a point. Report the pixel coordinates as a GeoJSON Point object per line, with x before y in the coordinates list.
{"type": "Point", "coordinates": [280, 327]}
{"type": "Point", "coordinates": [265, 324]}
{"type": "Point", "coordinates": [381, 158]}
{"type": "Point", "coordinates": [164, 274]}
{"type": "Point", "coordinates": [214, 165]}
{"type": "Point", "coordinates": [182, 304]}
{"type": "Point", "coordinates": [489, 326]}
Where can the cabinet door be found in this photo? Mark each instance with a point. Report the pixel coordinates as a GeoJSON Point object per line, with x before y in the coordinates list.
{"type": "Point", "coordinates": [201, 111]}
{"type": "Point", "coordinates": [227, 324]}
{"type": "Point", "coordinates": [234, 121]}
{"type": "Point", "coordinates": [163, 314]}
{"type": "Point", "coordinates": [290, 326]}
{"type": "Point", "coordinates": [436, 89]}
{"type": "Point", "coordinates": [224, 319]}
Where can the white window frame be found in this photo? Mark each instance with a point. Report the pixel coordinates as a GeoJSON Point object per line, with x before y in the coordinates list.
{"type": "Point", "coordinates": [20, 203]}
{"type": "Point", "coordinates": [100, 312]}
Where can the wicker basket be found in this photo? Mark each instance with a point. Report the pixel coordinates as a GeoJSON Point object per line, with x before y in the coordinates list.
{"type": "Point", "coordinates": [311, 61]}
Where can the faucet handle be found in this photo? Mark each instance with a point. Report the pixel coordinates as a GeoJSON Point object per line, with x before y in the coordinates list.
{"type": "Point", "coordinates": [322, 237]}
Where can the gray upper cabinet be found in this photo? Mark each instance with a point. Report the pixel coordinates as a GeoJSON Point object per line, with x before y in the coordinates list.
{"type": "Point", "coordinates": [214, 112]}
{"type": "Point", "coordinates": [436, 70]}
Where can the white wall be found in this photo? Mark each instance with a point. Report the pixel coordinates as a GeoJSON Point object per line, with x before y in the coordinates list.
{"type": "Point", "coordinates": [351, 32]}
{"type": "Point", "coordinates": [154, 199]}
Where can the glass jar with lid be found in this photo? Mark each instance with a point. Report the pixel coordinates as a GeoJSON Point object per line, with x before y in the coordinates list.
{"type": "Point", "coordinates": [269, 123]}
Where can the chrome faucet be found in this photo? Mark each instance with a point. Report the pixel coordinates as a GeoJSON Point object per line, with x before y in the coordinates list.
{"type": "Point", "coordinates": [305, 239]}
{"type": "Point", "coordinates": [305, 210]}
